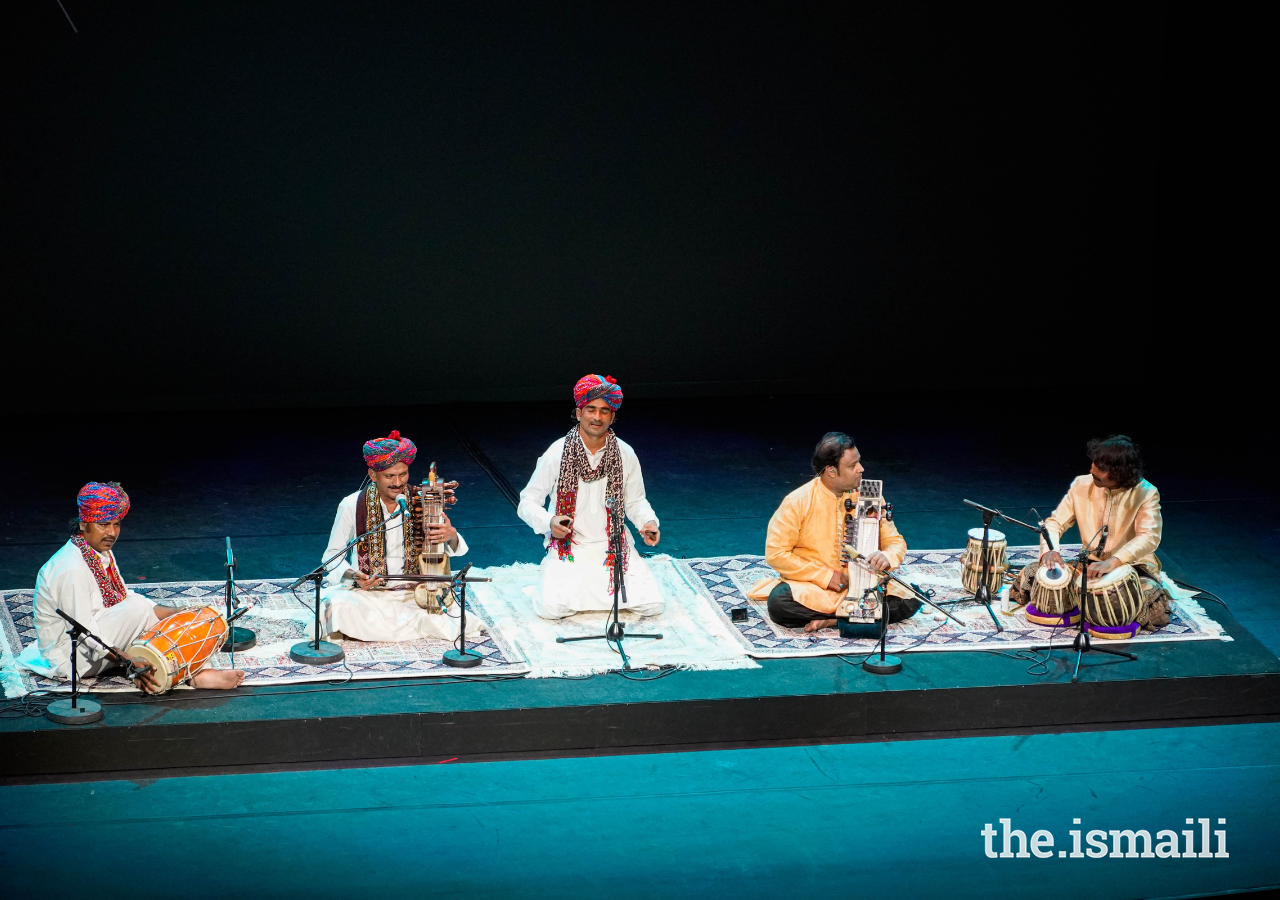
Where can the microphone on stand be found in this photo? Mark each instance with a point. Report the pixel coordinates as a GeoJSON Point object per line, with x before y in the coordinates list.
{"type": "Point", "coordinates": [404, 506]}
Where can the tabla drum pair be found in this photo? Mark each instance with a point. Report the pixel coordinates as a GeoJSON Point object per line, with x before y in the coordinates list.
{"type": "Point", "coordinates": [1111, 602]}
{"type": "Point", "coordinates": [972, 559]}
{"type": "Point", "coordinates": [181, 644]}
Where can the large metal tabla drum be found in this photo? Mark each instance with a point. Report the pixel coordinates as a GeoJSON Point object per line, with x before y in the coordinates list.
{"type": "Point", "coordinates": [1112, 602]}
{"type": "Point", "coordinates": [971, 561]}
{"type": "Point", "coordinates": [180, 645]}
{"type": "Point", "coordinates": [1054, 597]}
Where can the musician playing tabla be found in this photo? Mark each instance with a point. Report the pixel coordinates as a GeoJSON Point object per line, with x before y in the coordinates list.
{"type": "Point", "coordinates": [1114, 493]}
{"type": "Point", "coordinates": [586, 474]}
{"type": "Point", "coordinates": [805, 538]}
{"type": "Point", "coordinates": [83, 580]}
{"type": "Point", "coordinates": [361, 601]}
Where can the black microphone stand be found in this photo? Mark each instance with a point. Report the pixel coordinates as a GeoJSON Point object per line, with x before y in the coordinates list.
{"type": "Point", "coordinates": [459, 658]}
{"type": "Point", "coordinates": [614, 631]}
{"type": "Point", "coordinates": [885, 665]}
{"type": "Point", "coordinates": [1083, 643]}
{"type": "Point", "coordinates": [317, 652]}
{"type": "Point", "coordinates": [237, 638]}
{"type": "Point", "coordinates": [85, 712]}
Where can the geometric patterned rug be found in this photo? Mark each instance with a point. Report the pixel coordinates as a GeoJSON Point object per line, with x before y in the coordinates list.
{"type": "Point", "coordinates": [280, 620]}
{"type": "Point", "coordinates": [724, 580]}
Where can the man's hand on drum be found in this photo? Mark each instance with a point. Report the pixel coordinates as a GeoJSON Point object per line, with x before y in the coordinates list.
{"type": "Point", "coordinates": [146, 682]}
{"type": "Point", "coordinates": [1098, 569]}
{"type": "Point", "coordinates": [443, 533]}
{"type": "Point", "coordinates": [367, 582]}
{"type": "Point", "coordinates": [560, 526]}
{"type": "Point", "coordinates": [1052, 559]}
{"type": "Point", "coordinates": [164, 612]}
{"type": "Point", "coordinates": [838, 581]}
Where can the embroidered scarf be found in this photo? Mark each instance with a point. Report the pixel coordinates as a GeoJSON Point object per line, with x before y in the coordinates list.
{"type": "Point", "coordinates": [112, 586]}
{"type": "Point", "coordinates": [371, 553]}
{"type": "Point", "coordinates": [574, 466]}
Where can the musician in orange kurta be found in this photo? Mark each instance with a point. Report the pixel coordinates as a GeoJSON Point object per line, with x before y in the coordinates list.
{"type": "Point", "coordinates": [804, 544]}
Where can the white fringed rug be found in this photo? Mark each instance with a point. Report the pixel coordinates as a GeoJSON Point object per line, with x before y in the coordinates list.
{"type": "Point", "coordinates": [280, 620]}
{"type": "Point", "coordinates": [694, 636]}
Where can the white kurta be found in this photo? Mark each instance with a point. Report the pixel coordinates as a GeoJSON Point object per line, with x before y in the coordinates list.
{"type": "Point", "coordinates": [565, 587]}
{"type": "Point", "coordinates": [65, 582]}
{"type": "Point", "coordinates": [380, 615]}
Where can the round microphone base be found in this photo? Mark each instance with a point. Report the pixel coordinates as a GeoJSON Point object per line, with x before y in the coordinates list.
{"type": "Point", "coordinates": [239, 639]}
{"type": "Point", "coordinates": [461, 659]}
{"type": "Point", "coordinates": [85, 712]}
{"type": "Point", "coordinates": [888, 665]}
{"type": "Point", "coordinates": [317, 653]}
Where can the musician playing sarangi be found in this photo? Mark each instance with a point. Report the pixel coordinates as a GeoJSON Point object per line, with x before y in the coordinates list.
{"type": "Point", "coordinates": [361, 601]}
{"type": "Point", "coordinates": [586, 474]}
{"type": "Point", "coordinates": [805, 539]}
{"type": "Point", "coordinates": [1114, 493]}
{"type": "Point", "coordinates": [83, 580]}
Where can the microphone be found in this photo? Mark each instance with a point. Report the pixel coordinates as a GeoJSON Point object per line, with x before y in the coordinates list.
{"type": "Point", "coordinates": [1102, 544]}
{"type": "Point", "coordinates": [404, 506]}
{"type": "Point", "coordinates": [853, 554]}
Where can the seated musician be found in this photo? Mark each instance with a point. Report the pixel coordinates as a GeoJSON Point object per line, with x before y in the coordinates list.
{"type": "Point", "coordinates": [1114, 493]}
{"type": "Point", "coordinates": [586, 474]}
{"type": "Point", "coordinates": [805, 539]}
{"type": "Point", "coordinates": [83, 580]}
{"type": "Point", "coordinates": [361, 600]}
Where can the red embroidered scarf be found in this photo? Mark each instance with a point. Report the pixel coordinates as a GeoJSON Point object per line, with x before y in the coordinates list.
{"type": "Point", "coordinates": [112, 586]}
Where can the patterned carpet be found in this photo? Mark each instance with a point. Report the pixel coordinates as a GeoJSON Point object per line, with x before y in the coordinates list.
{"type": "Point", "coordinates": [280, 621]}
{"type": "Point", "coordinates": [724, 581]}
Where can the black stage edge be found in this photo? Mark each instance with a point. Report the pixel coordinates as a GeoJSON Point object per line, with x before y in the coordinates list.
{"type": "Point", "coordinates": [815, 700]}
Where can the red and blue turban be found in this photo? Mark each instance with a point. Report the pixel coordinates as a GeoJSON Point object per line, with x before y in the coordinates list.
{"type": "Point", "coordinates": [593, 387]}
{"type": "Point", "coordinates": [383, 453]}
{"type": "Point", "coordinates": [100, 502]}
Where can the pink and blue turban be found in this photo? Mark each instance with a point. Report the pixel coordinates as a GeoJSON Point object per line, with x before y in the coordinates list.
{"type": "Point", "coordinates": [100, 502]}
{"type": "Point", "coordinates": [593, 387]}
{"type": "Point", "coordinates": [383, 453]}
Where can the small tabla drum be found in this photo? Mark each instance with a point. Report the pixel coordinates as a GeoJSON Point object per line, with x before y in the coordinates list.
{"type": "Point", "coordinates": [1112, 602]}
{"type": "Point", "coordinates": [1054, 598]}
{"type": "Point", "coordinates": [972, 559]}
{"type": "Point", "coordinates": [181, 644]}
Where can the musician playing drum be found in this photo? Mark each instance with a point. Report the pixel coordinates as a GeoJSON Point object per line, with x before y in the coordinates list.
{"type": "Point", "coordinates": [1114, 493]}
{"type": "Point", "coordinates": [363, 600]}
{"type": "Point", "coordinates": [804, 544]}
{"type": "Point", "coordinates": [83, 580]}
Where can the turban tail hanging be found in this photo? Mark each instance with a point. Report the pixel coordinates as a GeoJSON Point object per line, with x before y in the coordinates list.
{"type": "Point", "coordinates": [100, 502]}
{"type": "Point", "coordinates": [593, 387]}
{"type": "Point", "coordinates": [383, 453]}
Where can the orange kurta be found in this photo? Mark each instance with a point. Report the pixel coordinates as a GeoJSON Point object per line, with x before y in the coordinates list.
{"type": "Point", "coordinates": [803, 545]}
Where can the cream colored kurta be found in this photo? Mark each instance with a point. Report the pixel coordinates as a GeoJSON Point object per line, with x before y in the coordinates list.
{"type": "Point", "coordinates": [1133, 515]}
{"type": "Point", "coordinates": [803, 545]}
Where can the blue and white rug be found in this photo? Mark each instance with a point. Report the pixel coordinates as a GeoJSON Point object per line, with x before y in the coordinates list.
{"type": "Point", "coordinates": [723, 581]}
{"type": "Point", "coordinates": [280, 620]}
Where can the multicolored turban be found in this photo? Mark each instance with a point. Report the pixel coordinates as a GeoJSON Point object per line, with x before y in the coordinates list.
{"type": "Point", "coordinates": [100, 502]}
{"type": "Point", "coordinates": [383, 453]}
{"type": "Point", "coordinates": [593, 387]}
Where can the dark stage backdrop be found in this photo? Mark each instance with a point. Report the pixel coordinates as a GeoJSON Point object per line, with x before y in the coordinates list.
{"type": "Point", "coordinates": [316, 203]}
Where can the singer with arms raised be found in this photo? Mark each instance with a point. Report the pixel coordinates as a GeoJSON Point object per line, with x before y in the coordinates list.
{"type": "Point", "coordinates": [83, 580]}
{"type": "Point", "coordinates": [805, 539]}
{"type": "Point", "coordinates": [1114, 494]}
{"type": "Point", "coordinates": [357, 602]}
{"type": "Point", "coordinates": [589, 474]}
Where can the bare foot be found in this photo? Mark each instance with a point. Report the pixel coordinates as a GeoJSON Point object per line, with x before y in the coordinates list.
{"type": "Point", "coordinates": [819, 624]}
{"type": "Point", "coordinates": [218, 679]}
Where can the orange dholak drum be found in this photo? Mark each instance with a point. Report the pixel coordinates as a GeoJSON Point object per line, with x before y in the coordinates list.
{"type": "Point", "coordinates": [180, 645]}
{"type": "Point", "coordinates": [1112, 602]}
